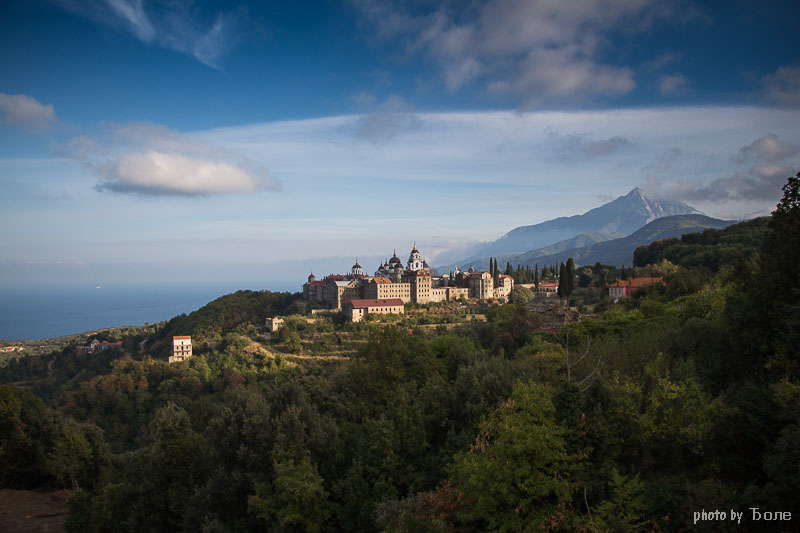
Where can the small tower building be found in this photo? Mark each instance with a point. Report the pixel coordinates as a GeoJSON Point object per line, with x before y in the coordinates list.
{"type": "Point", "coordinates": [181, 349]}
{"type": "Point", "coordinates": [274, 324]}
{"type": "Point", "coordinates": [415, 259]}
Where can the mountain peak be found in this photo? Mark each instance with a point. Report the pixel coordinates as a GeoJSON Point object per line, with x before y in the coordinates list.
{"type": "Point", "coordinates": [624, 215]}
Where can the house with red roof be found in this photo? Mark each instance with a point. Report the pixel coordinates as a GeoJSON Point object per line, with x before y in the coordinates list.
{"type": "Point", "coordinates": [626, 287]}
{"type": "Point", "coordinates": [358, 310]}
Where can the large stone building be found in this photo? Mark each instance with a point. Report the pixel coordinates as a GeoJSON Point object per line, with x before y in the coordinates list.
{"type": "Point", "coordinates": [380, 287]}
{"type": "Point", "coordinates": [410, 284]}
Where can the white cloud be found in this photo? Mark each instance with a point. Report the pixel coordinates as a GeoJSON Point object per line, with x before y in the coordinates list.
{"type": "Point", "coordinates": [761, 182]}
{"type": "Point", "coordinates": [23, 110]}
{"type": "Point", "coordinates": [173, 25]}
{"type": "Point", "coordinates": [607, 146]}
{"type": "Point", "coordinates": [157, 173]}
{"type": "Point", "coordinates": [536, 51]}
{"type": "Point", "coordinates": [558, 74]}
{"type": "Point", "coordinates": [152, 160]}
{"type": "Point", "coordinates": [783, 86]}
{"type": "Point", "coordinates": [758, 174]}
{"type": "Point", "coordinates": [150, 135]}
{"type": "Point", "coordinates": [671, 84]}
{"type": "Point", "coordinates": [134, 17]}
{"type": "Point", "coordinates": [383, 121]}
{"type": "Point", "coordinates": [659, 62]}
{"type": "Point", "coordinates": [515, 168]}
{"type": "Point", "coordinates": [575, 146]}
{"type": "Point", "coordinates": [767, 149]}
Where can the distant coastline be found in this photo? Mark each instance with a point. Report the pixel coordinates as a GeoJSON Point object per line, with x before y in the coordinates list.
{"type": "Point", "coordinates": [42, 312]}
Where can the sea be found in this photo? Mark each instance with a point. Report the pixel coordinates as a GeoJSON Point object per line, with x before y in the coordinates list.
{"type": "Point", "coordinates": [40, 312]}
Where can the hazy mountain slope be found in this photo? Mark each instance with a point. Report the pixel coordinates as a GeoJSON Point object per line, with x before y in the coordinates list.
{"type": "Point", "coordinates": [619, 251]}
{"type": "Point", "coordinates": [624, 215]}
{"type": "Point", "coordinates": [582, 240]}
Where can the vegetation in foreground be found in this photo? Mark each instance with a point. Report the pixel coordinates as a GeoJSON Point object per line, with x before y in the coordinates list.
{"type": "Point", "coordinates": [684, 398]}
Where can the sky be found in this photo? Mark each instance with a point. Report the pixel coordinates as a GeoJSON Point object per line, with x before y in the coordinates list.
{"type": "Point", "coordinates": [181, 141]}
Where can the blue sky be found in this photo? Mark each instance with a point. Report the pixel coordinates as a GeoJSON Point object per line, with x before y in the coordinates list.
{"type": "Point", "coordinates": [220, 141]}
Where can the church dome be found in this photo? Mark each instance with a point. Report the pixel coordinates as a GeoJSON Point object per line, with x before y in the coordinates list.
{"type": "Point", "coordinates": [311, 277]}
{"type": "Point", "coordinates": [471, 269]}
{"type": "Point", "coordinates": [357, 270]}
{"type": "Point", "coordinates": [394, 260]}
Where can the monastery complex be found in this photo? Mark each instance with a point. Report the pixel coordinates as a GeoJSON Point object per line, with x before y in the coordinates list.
{"type": "Point", "coordinates": [410, 284]}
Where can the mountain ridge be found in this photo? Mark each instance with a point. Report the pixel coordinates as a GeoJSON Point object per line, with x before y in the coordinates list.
{"type": "Point", "coordinates": [579, 241]}
{"type": "Point", "coordinates": [625, 214]}
{"type": "Point", "coordinates": [620, 251]}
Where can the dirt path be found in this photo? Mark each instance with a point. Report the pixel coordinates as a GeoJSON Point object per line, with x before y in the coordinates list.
{"type": "Point", "coordinates": [29, 382]}
{"type": "Point", "coordinates": [28, 511]}
{"type": "Point", "coordinates": [315, 357]}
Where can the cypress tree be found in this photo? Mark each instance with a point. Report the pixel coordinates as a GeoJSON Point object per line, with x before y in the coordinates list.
{"type": "Point", "coordinates": [571, 273]}
{"type": "Point", "coordinates": [569, 281]}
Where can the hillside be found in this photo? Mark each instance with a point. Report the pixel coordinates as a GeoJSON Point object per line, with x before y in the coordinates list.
{"type": "Point", "coordinates": [580, 241]}
{"type": "Point", "coordinates": [620, 251]}
{"type": "Point", "coordinates": [712, 248]}
{"type": "Point", "coordinates": [240, 309]}
{"type": "Point", "coordinates": [624, 215]}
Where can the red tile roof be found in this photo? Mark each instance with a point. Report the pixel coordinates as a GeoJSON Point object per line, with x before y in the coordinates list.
{"type": "Point", "coordinates": [182, 338]}
{"type": "Point", "coordinates": [381, 302]}
{"type": "Point", "coordinates": [637, 282]}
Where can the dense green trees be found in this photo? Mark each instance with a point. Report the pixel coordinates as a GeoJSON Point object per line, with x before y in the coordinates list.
{"type": "Point", "coordinates": [516, 476]}
{"type": "Point", "coordinates": [27, 432]}
{"type": "Point", "coordinates": [711, 249]}
{"type": "Point", "coordinates": [224, 315]}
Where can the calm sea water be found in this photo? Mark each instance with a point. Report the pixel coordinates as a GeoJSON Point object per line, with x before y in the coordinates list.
{"type": "Point", "coordinates": [42, 312]}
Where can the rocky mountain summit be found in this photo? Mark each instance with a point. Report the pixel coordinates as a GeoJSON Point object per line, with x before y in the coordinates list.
{"type": "Point", "coordinates": [623, 215]}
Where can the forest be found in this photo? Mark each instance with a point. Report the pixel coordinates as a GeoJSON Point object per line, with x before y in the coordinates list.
{"type": "Point", "coordinates": [684, 398]}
